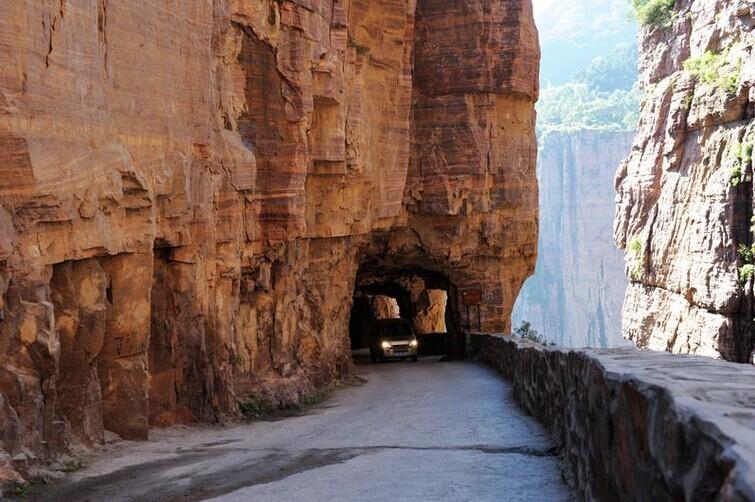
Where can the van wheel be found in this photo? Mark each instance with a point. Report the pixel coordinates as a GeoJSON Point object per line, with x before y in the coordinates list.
{"type": "Point", "coordinates": [414, 359]}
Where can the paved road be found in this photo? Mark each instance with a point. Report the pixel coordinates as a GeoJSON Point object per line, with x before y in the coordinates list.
{"type": "Point", "coordinates": [414, 431]}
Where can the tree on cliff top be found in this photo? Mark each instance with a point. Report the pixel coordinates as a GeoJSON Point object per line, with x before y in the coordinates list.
{"type": "Point", "coordinates": [654, 13]}
{"type": "Point", "coordinates": [604, 96]}
{"type": "Point", "coordinates": [615, 70]}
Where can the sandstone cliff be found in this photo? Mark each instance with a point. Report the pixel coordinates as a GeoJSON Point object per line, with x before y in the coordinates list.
{"type": "Point", "coordinates": [575, 296]}
{"type": "Point", "coordinates": [685, 193]}
{"type": "Point", "coordinates": [189, 193]}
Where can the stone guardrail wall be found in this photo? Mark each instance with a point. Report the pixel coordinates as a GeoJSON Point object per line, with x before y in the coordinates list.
{"type": "Point", "coordinates": [637, 425]}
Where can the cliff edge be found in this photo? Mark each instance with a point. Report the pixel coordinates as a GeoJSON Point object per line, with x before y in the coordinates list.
{"type": "Point", "coordinates": [685, 194]}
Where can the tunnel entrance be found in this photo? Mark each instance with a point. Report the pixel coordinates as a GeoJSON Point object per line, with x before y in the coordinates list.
{"type": "Point", "coordinates": [425, 299]}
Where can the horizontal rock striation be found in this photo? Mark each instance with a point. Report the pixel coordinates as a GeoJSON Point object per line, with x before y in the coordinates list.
{"type": "Point", "coordinates": [685, 200]}
{"type": "Point", "coordinates": [633, 425]}
{"type": "Point", "coordinates": [188, 193]}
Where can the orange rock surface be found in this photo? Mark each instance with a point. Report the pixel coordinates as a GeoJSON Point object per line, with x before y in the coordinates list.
{"type": "Point", "coordinates": [188, 192]}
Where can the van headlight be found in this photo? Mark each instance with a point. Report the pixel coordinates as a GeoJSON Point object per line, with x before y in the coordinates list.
{"type": "Point", "coordinates": [413, 343]}
{"type": "Point", "coordinates": [385, 345]}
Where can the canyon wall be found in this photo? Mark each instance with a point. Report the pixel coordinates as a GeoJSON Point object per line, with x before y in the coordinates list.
{"type": "Point", "coordinates": [188, 194]}
{"type": "Point", "coordinates": [575, 297]}
{"type": "Point", "coordinates": [685, 200]}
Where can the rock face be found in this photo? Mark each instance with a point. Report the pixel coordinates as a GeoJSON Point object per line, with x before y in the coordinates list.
{"type": "Point", "coordinates": [385, 307]}
{"type": "Point", "coordinates": [685, 193]}
{"type": "Point", "coordinates": [575, 296]}
{"type": "Point", "coordinates": [189, 193]}
{"type": "Point", "coordinates": [632, 425]}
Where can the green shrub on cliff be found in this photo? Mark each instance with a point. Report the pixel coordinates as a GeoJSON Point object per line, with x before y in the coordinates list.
{"type": "Point", "coordinates": [747, 257]}
{"type": "Point", "coordinates": [741, 158]}
{"type": "Point", "coordinates": [655, 13]}
{"type": "Point", "coordinates": [526, 332]}
{"type": "Point", "coordinates": [746, 272]}
{"type": "Point", "coordinates": [716, 70]}
{"type": "Point", "coordinates": [361, 49]}
{"type": "Point", "coordinates": [635, 258]}
{"type": "Point", "coordinates": [746, 253]}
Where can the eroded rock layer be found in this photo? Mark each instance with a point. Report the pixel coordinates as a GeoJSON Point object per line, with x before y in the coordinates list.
{"type": "Point", "coordinates": [187, 194]}
{"type": "Point", "coordinates": [685, 193]}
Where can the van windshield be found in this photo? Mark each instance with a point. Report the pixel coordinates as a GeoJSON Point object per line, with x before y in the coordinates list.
{"type": "Point", "coordinates": [395, 330]}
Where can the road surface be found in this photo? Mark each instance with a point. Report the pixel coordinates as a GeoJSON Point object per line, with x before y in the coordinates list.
{"type": "Point", "coordinates": [413, 431]}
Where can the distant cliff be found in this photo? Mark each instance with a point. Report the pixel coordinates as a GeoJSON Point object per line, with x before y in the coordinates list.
{"type": "Point", "coordinates": [584, 131]}
{"type": "Point", "coordinates": [685, 194]}
{"type": "Point", "coordinates": [575, 296]}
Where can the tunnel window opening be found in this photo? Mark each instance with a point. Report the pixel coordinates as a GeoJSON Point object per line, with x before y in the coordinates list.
{"type": "Point", "coordinates": [385, 307]}
{"type": "Point", "coordinates": [421, 298]}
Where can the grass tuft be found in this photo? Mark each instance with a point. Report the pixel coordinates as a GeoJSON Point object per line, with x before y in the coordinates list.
{"type": "Point", "coordinates": [746, 272]}
{"type": "Point", "coordinates": [716, 70]}
{"type": "Point", "coordinates": [654, 13]}
{"type": "Point", "coordinates": [362, 50]}
{"type": "Point", "coordinates": [23, 489]}
{"type": "Point", "coordinates": [636, 257]}
{"type": "Point", "coordinates": [257, 409]}
{"type": "Point", "coordinates": [71, 466]}
{"type": "Point", "coordinates": [747, 258]}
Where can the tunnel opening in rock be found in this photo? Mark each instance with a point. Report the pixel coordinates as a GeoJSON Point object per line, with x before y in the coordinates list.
{"type": "Point", "coordinates": [424, 298]}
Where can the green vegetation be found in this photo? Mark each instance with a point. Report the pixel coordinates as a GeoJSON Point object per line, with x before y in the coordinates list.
{"type": "Point", "coordinates": [575, 106]}
{"type": "Point", "coordinates": [716, 70]}
{"type": "Point", "coordinates": [736, 175]}
{"type": "Point", "coordinates": [747, 257]}
{"type": "Point", "coordinates": [615, 70]}
{"type": "Point", "coordinates": [603, 97]}
{"type": "Point", "coordinates": [257, 409]}
{"type": "Point", "coordinates": [636, 258]}
{"type": "Point", "coordinates": [254, 408]}
{"type": "Point", "coordinates": [23, 489]}
{"type": "Point", "coordinates": [746, 272]}
{"type": "Point", "coordinates": [71, 466]}
{"type": "Point", "coordinates": [746, 253]}
{"type": "Point", "coordinates": [16, 489]}
{"type": "Point", "coordinates": [361, 49]}
{"type": "Point", "coordinates": [654, 13]}
{"type": "Point", "coordinates": [741, 158]}
{"type": "Point", "coordinates": [526, 332]}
